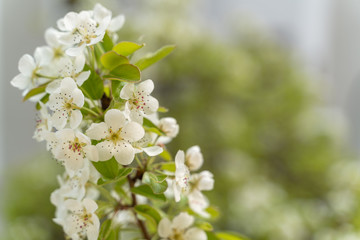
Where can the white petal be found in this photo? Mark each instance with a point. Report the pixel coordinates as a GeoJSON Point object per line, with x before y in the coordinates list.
{"type": "Point", "coordinates": [127, 91]}
{"type": "Point", "coordinates": [79, 63]}
{"type": "Point", "coordinates": [73, 205]}
{"type": "Point", "coordinates": [59, 119]}
{"type": "Point", "coordinates": [177, 192]}
{"type": "Point", "coordinates": [182, 221]}
{"type": "Point", "coordinates": [90, 205]}
{"type": "Point", "coordinates": [116, 23]}
{"type": "Point", "coordinates": [151, 105]}
{"type": "Point", "coordinates": [91, 153]}
{"type": "Point", "coordinates": [132, 132]}
{"type": "Point", "coordinates": [198, 203]}
{"type": "Point", "coordinates": [105, 150]}
{"type": "Point", "coordinates": [97, 131]}
{"type": "Point", "coordinates": [27, 65]}
{"type": "Point", "coordinates": [115, 119]}
{"type": "Point", "coordinates": [82, 77]}
{"type": "Point", "coordinates": [78, 97]}
{"type": "Point", "coordinates": [21, 81]}
{"type": "Point", "coordinates": [146, 86]}
{"type": "Point", "coordinates": [153, 151]}
{"type": "Point", "coordinates": [179, 159]}
{"type": "Point", "coordinates": [164, 228]}
{"type": "Point", "coordinates": [68, 84]}
{"type": "Point", "coordinates": [75, 119]}
{"type": "Point", "coordinates": [124, 153]}
{"type": "Point", "coordinates": [43, 55]}
{"type": "Point", "coordinates": [206, 181]}
{"type": "Point", "coordinates": [65, 134]}
{"type": "Point", "coordinates": [53, 86]}
{"type": "Point", "coordinates": [93, 229]}
{"type": "Point", "coordinates": [70, 21]}
{"type": "Point", "coordinates": [195, 234]}
{"type": "Point", "coordinates": [136, 116]}
{"type": "Point", "coordinates": [100, 12]}
{"type": "Point", "coordinates": [74, 161]}
{"type": "Point", "coordinates": [51, 37]}
{"type": "Point", "coordinates": [75, 51]}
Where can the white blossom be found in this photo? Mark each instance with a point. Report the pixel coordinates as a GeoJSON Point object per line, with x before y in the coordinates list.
{"type": "Point", "coordinates": [73, 148]}
{"type": "Point", "coordinates": [83, 29]}
{"type": "Point", "coordinates": [66, 102]}
{"type": "Point", "coordinates": [82, 221]}
{"type": "Point", "coordinates": [179, 228]}
{"type": "Point", "coordinates": [56, 49]}
{"type": "Point", "coordinates": [139, 101]}
{"type": "Point", "coordinates": [118, 134]}
{"type": "Point", "coordinates": [182, 176]}
{"type": "Point", "coordinates": [170, 127]}
{"type": "Point", "coordinates": [194, 158]}
{"type": "Point", "coordinates": [31, 70]}
{"type": "Point", "coordinates": [142, 145]}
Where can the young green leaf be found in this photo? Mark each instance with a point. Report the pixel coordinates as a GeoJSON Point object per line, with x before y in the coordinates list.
{"type": "Point", "coordinates": [111, 60]}
{"type": "Point", "coordinates": [166, 155]}
{"type": "Point", "coordinates": [107, 43]}
{"type": "Point", "coordinates": [44, 99]}
{"type": "Point", "coordinates": [149, 213]}
{"type": "Point", "coordinates": [108, 169]}
{"type": "Point", "coordinates": [156, 182]}
{"type": "Point", "coordinates": [123, 173]}
{"type": "Point", "coordinates": [146, 191]}
{"type": "Point", "coordinates": [116, 87]}
{"type": "Point", "coordinates": [230, 236]}
{"type": "Point", "coordinates": [127, 48]}
{"type": "Point", "coordinates": [168, 166]}
{"type": "Point", "coordinates": [150, 126]}
{"type": "Point", "coordinates": [205, 226]}
{"type": "Point", "coordinates": [125, 72]}
{"type": "Point", "coordinates": [35, 91]}
{"type": "Point", "coordinates": [93, 87]}
{"type": "Point", "coordinates": [152, 58]}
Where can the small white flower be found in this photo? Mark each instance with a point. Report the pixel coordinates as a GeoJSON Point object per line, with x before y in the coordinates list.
{"type": "Point", "coordinates": [66, 102]}
{"type": "Point", "coordinates": [142, 146]}
{"type": "Point", "coordinates": [31, 70]}
{"type": "Point", "coordinates": [69, 67]}
{"type": "Point", "coordinates": [139, 101]}
{"type": "Point", "coordinates": [182, 176]}
{"type": "Point", "coordinates": [117, 134]}
{"type": "Point", "coordinates": [179, 228]}
{"type": "Point", "coordinates": [83, 29]}
{"type": "Point", "coordinates": [72, 148]}
{"type": "Point", "coordinates": [82, 221]}
{"type": "Point", "coordinates": [194, 158]}
{"type": "Point", "coordinates": [43, 123]}
{"type": "Point", "coordinates": [57, 50]}
{"type": "Point", "coordinates": [170, 127]}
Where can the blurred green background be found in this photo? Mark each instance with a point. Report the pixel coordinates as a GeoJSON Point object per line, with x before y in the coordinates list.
{"type": "Point", "coordinates": [283, 169]}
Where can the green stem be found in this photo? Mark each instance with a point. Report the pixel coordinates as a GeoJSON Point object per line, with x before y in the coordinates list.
{"type": "Point", "coordinates": [43, 76]}
{"type": "Point", "coordinates": [90, 111]}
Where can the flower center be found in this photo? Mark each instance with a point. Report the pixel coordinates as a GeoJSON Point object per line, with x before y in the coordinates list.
{"type": "Point", "coordinates": [138, 101]}
{"type": "Point", "coordinates": [76, 146]}
{"type": "Point", "coordinates": [114, 136]}
{"type": "Point", "coordinates": [177, 235]}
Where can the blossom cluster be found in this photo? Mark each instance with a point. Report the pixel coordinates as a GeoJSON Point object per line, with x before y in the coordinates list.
{"type": "Point", "coordinates": [97, 116]}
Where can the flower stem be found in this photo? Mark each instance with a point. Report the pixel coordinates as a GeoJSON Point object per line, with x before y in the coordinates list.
{"type": "Point", "coordinates": [90, 111]}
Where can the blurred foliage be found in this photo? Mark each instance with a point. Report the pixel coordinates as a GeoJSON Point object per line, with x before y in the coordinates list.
{"type": "Point", "coordinates": [282, 170]}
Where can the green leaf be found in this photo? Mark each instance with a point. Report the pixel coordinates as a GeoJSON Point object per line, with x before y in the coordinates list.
{"type": "Point", "coordinates": [108, 169]}
{"type": "Point", "coordinates": [125, 72]}
{"type": "Point", "coordinates": [44, 99]}
{"type": "Point", "coordinates": [211, 236]}
{"type": "Point", "coordinates": [152, 58]}
{"type": "Point", "coordinates": [205, 226]}
{"type": "Point", "coordinates": [163, 110]}
{"type": "Point", "coordinates": [168, 166]}
{"type": "Point", "coordinates": [150, 126]}
{"type": "Point", "coordinates": [156, 182]}
{"type": "Point", "coordinates": [127, 48]}
{"type": "Point", "coordinates": [213, 211]}
{"type": "Point", "coordinates": [35, 91]}
{"type": "Point", "coordinates": [107, 43]}
{"type": "Point", "coordinates": [116, 87]}
{"type": "Point", "coordinates": [166, 155]}
{"type": "Point", "coordinates": [145, 190]}
{"type": "Point", "coordinates": [123, 173]}
{"type": "Point", "coordinates": [230, 236]}
{"type": "Point", "coordinates": [148, 212]}
{"type": "Point", "coordinates": [93, 87]}
{"type": "Point", "coordinates": [105, 229]}
{"type": "Point", "coordinates": [111, 60]}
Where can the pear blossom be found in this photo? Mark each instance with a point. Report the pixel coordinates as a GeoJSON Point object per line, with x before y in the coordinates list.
{"type": "Point", "coordinates": [194, 158]}
{"type": "Point", "coordinates": [82, 221]}
{"type": "Point", "coordinates": [31, 70]}
{"type": "Point", "coordinates": [56, 49]}
{"type": "Point", "coordinates": [43, 123]}
{"type": "Point", "coordinates": [179, 228]}
{"type": "Point", "coordinates": [139, 101]}
{"type": "Point", "coordinates": [73, 147]}
{"type": "Point", "coordinates": [182, 176]}
{"type": "Point", "coordinates": [118, 134]}
{"type": "Point", "coordinates": [83, 29]}
{"type": "Point", "coordinates": [66, 102]}
{"type": "Point", "coordinates": [170, 127]}
{"type": "Point", "coordinates": [72, 68]}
